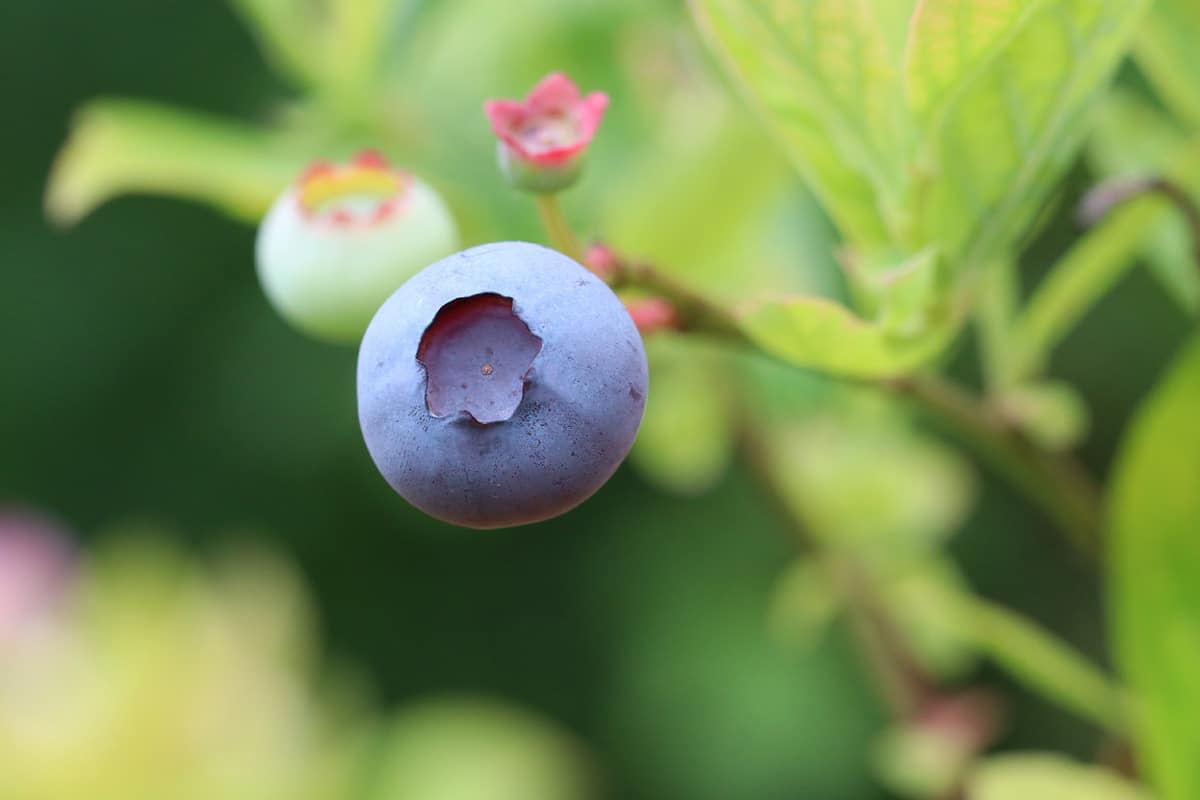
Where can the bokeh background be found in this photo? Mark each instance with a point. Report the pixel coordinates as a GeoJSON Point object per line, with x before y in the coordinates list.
{"type": "Point", "coordinates": [147, 388]}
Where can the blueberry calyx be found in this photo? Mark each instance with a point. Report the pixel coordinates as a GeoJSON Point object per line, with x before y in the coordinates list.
{"type": "Point", "coordinates": [478, 355]}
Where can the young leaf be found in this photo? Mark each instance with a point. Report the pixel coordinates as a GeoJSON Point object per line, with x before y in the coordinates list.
{"type": "Point", "coordinates": [1001, 93]}
{"type": "Point", "coordinates": [1154, 575]}
{"type": "Point", "coordinates": [120, 146]}
{"type": "Point", "coordinates": [1166, 52]}
{"type": "Point", "coordinates": [1042, 776]}
{"type": "Point", "coordinates": [820, 334]}
{"type": "Point", "coordinates": [826, 75]}
{"type": "Point", "coordinates": [289, 35]}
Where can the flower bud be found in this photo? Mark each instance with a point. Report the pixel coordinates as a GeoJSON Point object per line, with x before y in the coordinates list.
{"type": "Point", "coordinates": [652, 315]}
{"type": "Point", "coordinates": [342, 238]}
{"type": "Point", "coordinates": [543, 139]}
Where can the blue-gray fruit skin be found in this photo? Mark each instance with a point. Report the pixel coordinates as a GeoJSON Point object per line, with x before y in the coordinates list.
{"type": "Point", "coordinates": [583, 399]}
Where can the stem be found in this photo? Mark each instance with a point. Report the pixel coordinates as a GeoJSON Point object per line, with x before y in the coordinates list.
{"type": "Point", "coordinates": [994, 318]}
{"type": "Point", "coordinates": [696, 313]}
{"type": "Point", "coordinates": [562, 238]}
{"type": "Point", "coordinates": [1099, 259]}
{"type": "Point", "coordinates": [1058, 484]}
{"type": "Point", "coordinates": [1040, 660]}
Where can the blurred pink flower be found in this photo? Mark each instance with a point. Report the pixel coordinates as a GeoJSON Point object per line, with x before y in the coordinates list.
{"type": "Point", "coordinates": [36, 563]}
{"type": "Point", "coordinates": [552, 125]}
{"type": "Point", "coordinates": [543, 137]}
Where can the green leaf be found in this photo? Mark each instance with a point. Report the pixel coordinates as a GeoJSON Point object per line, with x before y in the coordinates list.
{"type": "Point", "coordinates": [121, 146]}
{"type": "Point", "coordinates": [820, 334]}
{"type": "Point", "coordinates": [1154, 576]}
{"type": "Point", "coordinates": [803, 604]}
{"type": "Point", "coordinates": [289, 34]}
{"type": "Point", "coordinates": [1042, 776]}
{"type": "Point", "coordinates": [1001, 92]}
{"type": "Point", "coordinates": [867, 484]}
{"type": "Point", "coordinates": [826, 77]}
{"type": "Point", "coordinates": [335, 47]}
{"type": "Point", "coordinates": [916, 592]}
{"type": "Point", "coordinates": [1134, 137]}
{"type": "Point", "coordinates": [1166, 52]}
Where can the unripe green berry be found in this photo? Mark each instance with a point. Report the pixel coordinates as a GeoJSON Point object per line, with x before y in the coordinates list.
{"type": "Point", "coordinates": [342, 238]}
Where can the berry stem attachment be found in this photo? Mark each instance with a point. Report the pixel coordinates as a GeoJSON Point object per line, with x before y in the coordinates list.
{"type": "Point", "coordinates": [558, 230]}
{"type": "Point", "coordinates": [696, 313]}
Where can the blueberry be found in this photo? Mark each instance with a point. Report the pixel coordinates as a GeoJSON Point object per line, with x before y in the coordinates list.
{"type": "Point", "coordinates": [500, 386]}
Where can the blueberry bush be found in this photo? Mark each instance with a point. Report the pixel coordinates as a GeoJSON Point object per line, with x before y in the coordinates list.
{"type": "Point", "coordinates": [913, 506]}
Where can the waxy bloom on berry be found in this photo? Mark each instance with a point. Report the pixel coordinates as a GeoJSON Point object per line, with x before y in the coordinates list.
{"type": "Point", "coordinates": [544, 137]}
{"type": "Point", "coordinates": [343, 237]}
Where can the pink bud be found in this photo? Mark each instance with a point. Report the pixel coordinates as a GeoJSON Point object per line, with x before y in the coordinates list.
{"type": "Point", "coordinates": [653, 314]}
{"type": "Point", "coordinates": [601, 260]}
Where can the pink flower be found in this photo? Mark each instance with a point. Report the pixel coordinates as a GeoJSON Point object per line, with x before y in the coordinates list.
{"type": "Point", "coordinates": [543, 138]}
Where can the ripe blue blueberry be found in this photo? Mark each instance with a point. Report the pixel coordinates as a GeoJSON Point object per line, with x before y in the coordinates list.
{"type": "Point", "coordinates": [500, 386]}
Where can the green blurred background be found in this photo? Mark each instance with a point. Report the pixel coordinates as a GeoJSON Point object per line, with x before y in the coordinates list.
{"type": "Point", "coordinates": [146, 382]}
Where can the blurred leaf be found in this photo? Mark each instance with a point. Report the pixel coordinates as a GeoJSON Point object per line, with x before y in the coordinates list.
{"type": "Point", "coordinates": [816, 333]}
{"type": "Point", "coordinates": [688, 433]}
{"type": "Point", "coordinates": [916, 592]}
{"type": "Point", "coordinates": [804, 603]}
{"type": "Point", "coordinates": [289, 34]}
{"type": "Point", "coordinates": [1002, 92]}
{"type": "Point", "coordinates": [358, 32]}
{"type": "Point", "coordinates": [1154, 572]}
{"type": "Point", "coordinates": [1166, 53]}
{"type": "Point", "coordinates": [907, 293]}
{"type": "Point", "coordinates": [119, 146]}
{"type": "Point", "coordinates": [994, 317]}
{"type": "Point", "coordinates": [1042, 776]}
{"type": "Point", "coordinates": [826, 74]}
{"type": "Point", "coordinates": [467, 748]}
{"type": "Point", "coordinates": [949, 41]}
{"type": "Point", "coordinates": [1131, 136]}
{"type": "Point", "coordinates": [870, 485]}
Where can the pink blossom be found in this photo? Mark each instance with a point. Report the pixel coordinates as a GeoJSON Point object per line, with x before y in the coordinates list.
{"type": "Point", "coordinates": [552, 125]}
